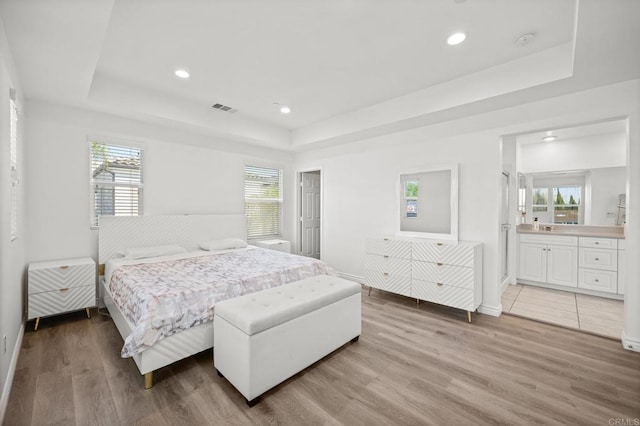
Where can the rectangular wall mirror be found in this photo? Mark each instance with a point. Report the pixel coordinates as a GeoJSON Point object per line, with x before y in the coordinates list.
{"type": "Point", "coordinates": [428, 202]}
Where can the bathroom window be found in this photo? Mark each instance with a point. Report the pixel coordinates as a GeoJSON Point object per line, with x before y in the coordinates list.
{"type": "Point", "coordinates": [558, 204]}
{"type": "Point", "coordinates": [411, 197]}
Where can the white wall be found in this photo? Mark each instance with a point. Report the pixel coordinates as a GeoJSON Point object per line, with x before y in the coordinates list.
{"type": "Point", "coordinates": [183, 173]}
{"type": "Point", "coordinates": [586, 153]}
{"type": "Point", "coordinates": [12, 253]}
{"type": "Point", "coordinates": [606, 184]}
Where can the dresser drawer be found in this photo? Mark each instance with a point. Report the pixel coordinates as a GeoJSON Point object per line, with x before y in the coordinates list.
{"type": "Point", "coordinates": [389, 247]}
{"type": "Point", "coordinates": [456, 297]}
{"type": "Point", "coordinates": [384, 281]}
{"type": "Point", "coordinates": [390, 265]}
{"type": "Point", "coordinates": [604, 243]}
{"type": "Point", "coordinates": [592, 279]}
{"type": "Point", "coordinates": [598, 258]}
{"type": "Point", "coordinates": [44, 277]}
{"type": "Point", "coordinates": [59, 301]}
{"type": "Point", "coordinates": [450, 254]}
{"type": "Point", "coordinates": [457, 276]}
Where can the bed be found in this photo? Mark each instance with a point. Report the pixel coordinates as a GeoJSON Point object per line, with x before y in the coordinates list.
{"type": "Point", "coordinates": [149, 298]}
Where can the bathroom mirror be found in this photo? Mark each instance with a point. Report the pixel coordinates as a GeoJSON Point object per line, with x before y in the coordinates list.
{"type": "Point", "coordinates": [428, 202]}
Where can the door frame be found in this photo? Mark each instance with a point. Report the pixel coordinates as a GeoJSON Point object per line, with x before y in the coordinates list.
{"type": "Point", "coordinates": [298, 198]}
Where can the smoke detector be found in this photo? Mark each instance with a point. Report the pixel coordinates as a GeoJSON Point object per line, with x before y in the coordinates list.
{"type": "Point", "coordinates": [525, 39]}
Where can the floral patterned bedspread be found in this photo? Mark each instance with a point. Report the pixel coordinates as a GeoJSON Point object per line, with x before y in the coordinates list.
{"type": "Point", "coordinates": [169, 296]}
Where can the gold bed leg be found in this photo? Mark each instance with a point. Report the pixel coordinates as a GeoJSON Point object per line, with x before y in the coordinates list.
{"type": "Point", "coordinates": [37, 322]}
{"type": "Point", "coordinates": [148, 380]}
{"type": "Point", "coordinates": [469, 316]}
{"type": "Point", "coordinates": [88, 313]}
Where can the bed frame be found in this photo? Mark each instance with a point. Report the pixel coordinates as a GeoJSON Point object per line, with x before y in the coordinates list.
{"type": "Point", "coordinates": [118, 233]}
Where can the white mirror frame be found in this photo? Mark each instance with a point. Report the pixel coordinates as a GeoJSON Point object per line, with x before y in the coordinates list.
{"type": "Point", "coordinates": [453, 199]}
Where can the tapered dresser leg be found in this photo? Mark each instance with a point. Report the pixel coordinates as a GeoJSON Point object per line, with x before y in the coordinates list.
{"type": "Point", "coordinates": [469, 316]}
{"type": "Point", "coordinates": [369, 291]}
{"type": "Point", "coordinates": [37, 323]}
{"type": "Point", "coordinates": [148, 380]}
{"type": "Point", "coordinates": [88, 313]}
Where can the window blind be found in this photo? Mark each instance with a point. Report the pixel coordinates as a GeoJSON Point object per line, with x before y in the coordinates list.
{"type": "Point", "coordinates": [116, 181]}
{"type": "Point", "coordinates": [263, 195]}
{"type": "Point", "coordinates": [13, 163]}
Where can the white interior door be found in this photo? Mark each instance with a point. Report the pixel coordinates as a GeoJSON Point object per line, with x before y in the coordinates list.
{"type": "Point", "coordinates": [310, 214]}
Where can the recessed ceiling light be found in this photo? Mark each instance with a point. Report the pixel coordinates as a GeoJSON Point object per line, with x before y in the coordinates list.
{"type": "Point", "coordinates": [182, 74]}
{"type": "Point", "coordinates": [549, 138]}
{"type": "Point", "coordinates": [285, 110]}
{"type": "Point", "coordinates": [456, 38]}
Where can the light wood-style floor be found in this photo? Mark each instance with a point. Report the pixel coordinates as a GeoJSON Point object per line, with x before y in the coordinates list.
{"type": "Point", "coordinates": [593, 314]}
{"type": "Point", "coordinates": [412, 365]}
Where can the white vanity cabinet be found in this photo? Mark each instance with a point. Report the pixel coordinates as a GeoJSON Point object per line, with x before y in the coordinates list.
{"type": "Point", "coordinates": [598, 264]}
{"type": "Point", "coordinates": [550, 259]}
{"type": "Point", "coordinates": [446, 273]}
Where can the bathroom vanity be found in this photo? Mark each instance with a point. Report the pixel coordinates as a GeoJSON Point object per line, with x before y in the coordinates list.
{"type": "Point", "coordinates": [584, 259]}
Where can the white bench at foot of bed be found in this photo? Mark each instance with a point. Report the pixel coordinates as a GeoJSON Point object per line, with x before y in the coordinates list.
{"type": "Point", "coordinates": [262, 339]}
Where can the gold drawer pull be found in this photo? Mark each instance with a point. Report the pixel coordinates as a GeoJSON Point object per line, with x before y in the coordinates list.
{"type": "Point", "coordinates": [597, 258]}
{"type": "Point", "coordinates": [386, 274]}
{"type": "Point", "coordinates": [386, 239]}
{"type": "Point", "coordinates": [386, 256]}
{"type": "Point", "coordinates": [439, 264]}
{"type": "Point", "coordinates": [439, 284]}
{"type": "Point", "coordinates": [439, 244]}
{"type": "Point", "coordinates": [62, 290]}
{"type": "Point", "coordinates": [64, 267]}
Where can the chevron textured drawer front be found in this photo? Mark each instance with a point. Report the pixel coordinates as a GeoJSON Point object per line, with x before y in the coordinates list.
{"type": "Point", "coordinates": [440, 272]}
{"type": "Point", "coordinates": [450, 254]}
{"type": "Point", "coordinates": [457, 276]}
{"type": "Point", "coordinates": [59, 301]}
{"type": "Point", "coordinates": [61, 286]}
{"type": "Point", "coordinates": [390, 265]}
{"type": "Point", "coordinates": [64, 275]}
{"type": "Point", "coordinates": [389, 247]}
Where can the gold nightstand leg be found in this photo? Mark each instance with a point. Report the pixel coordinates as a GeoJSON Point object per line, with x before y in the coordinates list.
{"type": "Point", "coordinates": [37, 322]}
{"type": "Point", "coordinates": [369, 291]}
{"type": "Point", "coordinates": [469, 316]}
{"type": "Point", "coordinates": [148, 380]}
{"type": "Point", "coordinates": [88, 313]}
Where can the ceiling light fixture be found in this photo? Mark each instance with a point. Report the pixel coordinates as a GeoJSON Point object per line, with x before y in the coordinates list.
{"type": "Point", "coordinates": [285, 109]}
{"type": "Point", "coordinates": [182, 74]}
{"type": "Point", "coordinates": [456, 38]}
{"type": "Point", "coordinates": [549, 138]}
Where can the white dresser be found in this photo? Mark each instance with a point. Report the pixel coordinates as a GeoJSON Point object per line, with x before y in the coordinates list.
{"type": "Point", "coordinates": [439, 272]}
{"type": "Point", "coordinates": [278, 245]}
{"type": "Point", "coordinates": [61, 286]}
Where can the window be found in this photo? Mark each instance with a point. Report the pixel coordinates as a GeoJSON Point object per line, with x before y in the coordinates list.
{"type": "Point", "coordinates": [13, 164]}
{"type": "Point", "coordinates": [263, 201]}
{"type": "Point", "coordinates": [557, 198]}
{"type": "Point", "coordinates": [116, 181]}
{"type": "Point", "coordinates": [411, 197]}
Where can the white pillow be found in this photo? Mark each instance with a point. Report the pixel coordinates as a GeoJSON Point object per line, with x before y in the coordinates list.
{"type": "Point", "coordinates": [226, 243]}
{"type": "Point", "coordinates": [152, 251]}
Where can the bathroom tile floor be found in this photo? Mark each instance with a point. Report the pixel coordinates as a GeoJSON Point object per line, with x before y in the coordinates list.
{"type": "Point", "coordinates": [597, 315]}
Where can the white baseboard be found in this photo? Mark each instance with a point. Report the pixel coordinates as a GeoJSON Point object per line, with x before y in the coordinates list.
{"type": "Point", "coordinates": [505, 284]}
{"type": "Point", "coordinates": [494, 311]}
{"type": "Point", "coordinates": [630, 344]}
{"type": "Point", "coordinates": [6, 388]}
{"type": "Point", "coordinates": [351, 277]}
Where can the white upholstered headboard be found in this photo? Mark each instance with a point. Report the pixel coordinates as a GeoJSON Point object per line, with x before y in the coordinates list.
{"type": "Point", "coordinates": [119, 232]}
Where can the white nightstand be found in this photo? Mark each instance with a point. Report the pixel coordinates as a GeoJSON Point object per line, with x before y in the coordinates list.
{"type": "Point", "coordinates": [61, 286]}
{"type": "Point", "coordinates": [278, 245]}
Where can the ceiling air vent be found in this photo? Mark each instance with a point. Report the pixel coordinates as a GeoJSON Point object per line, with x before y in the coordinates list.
{"type": "Point", "coordinates": [224, 108]}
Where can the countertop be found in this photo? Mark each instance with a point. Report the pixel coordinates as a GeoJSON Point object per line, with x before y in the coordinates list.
{"type": "Point", "coordinates": [574, 230]}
